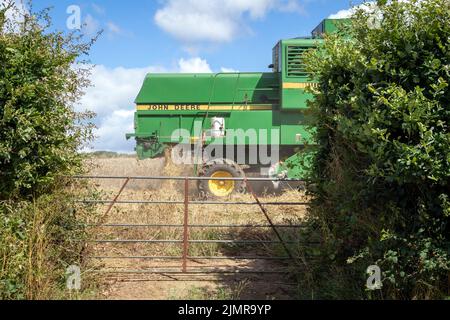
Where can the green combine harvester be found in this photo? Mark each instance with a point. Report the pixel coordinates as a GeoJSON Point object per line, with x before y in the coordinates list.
{"type": "Point", "coordinates": [232, 124]}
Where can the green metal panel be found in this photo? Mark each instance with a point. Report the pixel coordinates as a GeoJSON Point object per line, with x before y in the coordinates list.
{"type": "Point", "coordinates": [162, 124]}
{"type": "Point", "coordinates": [294, 79]}
{"type": "Point", "coordinates": [293, 94]}
{"type": "Point", "coordinates": [328, 26]}
{"type": "Point", "coordinates": [252, 88]}
{"type": "Point", "coordinates": [295, 99]}
{"type": "Point", "coordinates": [155, 129]}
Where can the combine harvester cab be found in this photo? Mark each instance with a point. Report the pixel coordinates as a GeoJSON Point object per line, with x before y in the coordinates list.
{"type": "Point", "coordinates": [233, 124]}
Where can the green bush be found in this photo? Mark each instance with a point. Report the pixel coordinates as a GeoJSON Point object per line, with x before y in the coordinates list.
{"type": "Point", "coordinates": [382, 172]}
{"type": "Point", "coordinates": [42, 231]}
{"type": "Point", "coordinates": [41, 77]}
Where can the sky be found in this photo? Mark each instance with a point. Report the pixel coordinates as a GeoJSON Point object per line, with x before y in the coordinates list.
{"type": "Point", "coordinates": [142, 36]}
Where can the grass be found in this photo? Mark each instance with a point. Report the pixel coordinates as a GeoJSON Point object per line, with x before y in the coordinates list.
{"type": "Point", "coordinates": [109, 155]}
{"type": "Point", "coordinates": [220, 293]}
{"type": "Point", "coordinates": [40, 239]}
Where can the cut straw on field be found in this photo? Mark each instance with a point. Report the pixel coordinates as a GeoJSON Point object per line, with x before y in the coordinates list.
{"type": "Point", "coordinates": [173, 214]}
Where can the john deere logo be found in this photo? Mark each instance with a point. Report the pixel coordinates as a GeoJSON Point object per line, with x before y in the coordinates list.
{"type": "Point", "coordinates": [176, 107]}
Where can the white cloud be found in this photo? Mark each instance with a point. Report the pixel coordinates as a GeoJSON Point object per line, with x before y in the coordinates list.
{"type": "Point", "coordinates": [193, 21]}
{"type": "Point", "coordinates": [348, 13]}
{"type": "Point", "coordinates": [194, 65]}
{"type": "Point", "coordinates": [114, 88]}
{"type": "Point", "coordinates": [228, 70]}
{"type": "Point", "coordinates": [110, 134]}
{"type": "Point", "coordinates": [112, 97]}
{"type": "Point", "coordinates": [16, 12]}
{"type": "Point", "coordinates": [98, 9]}
{"type": "Point", "coordinates": [342, 14]}
{"type": "Point", "coordinates": [292, 6]}
{"type": "Point", "coordinates": [90, 25]}
{"type": "Point", "coordinates": [113, 28]}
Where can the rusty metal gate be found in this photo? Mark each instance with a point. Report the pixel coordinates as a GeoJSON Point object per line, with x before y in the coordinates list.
{"type": "Point", "coordinates": [184, 266]}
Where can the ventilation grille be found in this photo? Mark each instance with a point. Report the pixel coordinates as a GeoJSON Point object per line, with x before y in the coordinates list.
{"type": "Point", "coordinates": [295, 61]}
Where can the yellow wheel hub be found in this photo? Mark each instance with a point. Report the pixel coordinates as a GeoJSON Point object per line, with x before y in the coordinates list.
{"type": "Point", "coordinates": [221, 188]}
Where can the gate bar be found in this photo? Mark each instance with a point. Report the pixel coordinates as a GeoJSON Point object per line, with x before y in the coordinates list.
{"type": "Point", "coordinates": [243, 203]}
{"type": "Point", "coordinates": [191, 226]}
{"type": "Point", "coordinates": [188, 258]}
{"type": "Point", "coordinates": [197, 241]}
{"type": "Point", "coordinates": [189, 178]}
{"type": "Point", "coordinates": [162, 272]}
{"type": "Point", "coordinates": [264, 211]}
{"type": "Point", "coordinates": [186, 225]}
{"type": "Point", "coordinates": [117, 196]}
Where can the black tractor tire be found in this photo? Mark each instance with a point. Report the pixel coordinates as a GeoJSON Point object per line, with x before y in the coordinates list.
{"type": "Point", "coordinates": [221, 165]}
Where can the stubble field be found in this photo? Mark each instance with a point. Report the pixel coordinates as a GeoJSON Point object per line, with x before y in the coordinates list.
{"type": "Point", "coordinates": [132, 260]}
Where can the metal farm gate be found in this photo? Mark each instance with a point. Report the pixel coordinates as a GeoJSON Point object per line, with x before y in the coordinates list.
{"type": "Point", "coordinates": [184, 263]}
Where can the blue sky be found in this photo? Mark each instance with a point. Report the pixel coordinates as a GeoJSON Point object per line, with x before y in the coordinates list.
{"type": "Point", "coordinates": [143, 36]}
